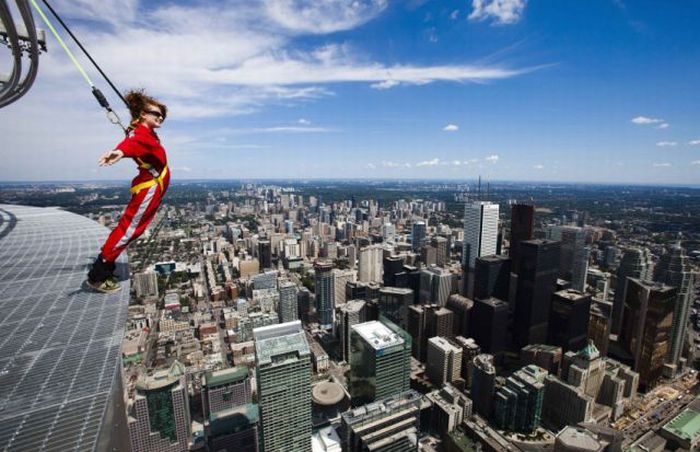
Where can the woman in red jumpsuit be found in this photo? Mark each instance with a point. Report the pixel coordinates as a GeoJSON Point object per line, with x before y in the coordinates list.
{"type": "Point", "coordinates": [147, 189]}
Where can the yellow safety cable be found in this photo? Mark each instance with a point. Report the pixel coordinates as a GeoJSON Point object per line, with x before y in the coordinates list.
{"type": "Point", "coordinates": [63, 44]}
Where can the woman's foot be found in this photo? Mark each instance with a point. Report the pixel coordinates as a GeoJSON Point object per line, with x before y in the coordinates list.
{"type": "Point", "coordinates": [109, 285]}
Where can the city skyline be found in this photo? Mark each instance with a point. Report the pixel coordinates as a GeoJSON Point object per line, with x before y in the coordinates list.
{"type": "Point", "coordinates": [512, 90]}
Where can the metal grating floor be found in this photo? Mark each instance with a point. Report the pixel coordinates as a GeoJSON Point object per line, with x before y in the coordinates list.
{"type": "Point", "coordinates": [59, 343]}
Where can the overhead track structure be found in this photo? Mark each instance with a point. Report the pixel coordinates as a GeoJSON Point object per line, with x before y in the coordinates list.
{"type": "Point", "coordinates": [24, 41]}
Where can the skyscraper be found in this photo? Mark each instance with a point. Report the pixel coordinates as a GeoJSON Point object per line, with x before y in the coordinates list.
{"type": "Point", "coordinates": [159, 413]}
{"type": "Point", "coordinates": [539, 268]}
{"type": "Point", "coordinates": [352, 313]}
{"type": "Point", "coordinates": [426, 321]}
{"type": "Point", "coordinates": [370, 268]}
{"type": "Point", "coordinates": [340, 281]}
{"type": "Point", "coordinates": [394, 303]}
{"type": "Point", "coordinates": [287, 308]}
{"type": "Point", "coordinates": [444, 362]}
{"type": "Point", "coordinates": [380, 361]}
{"type": "Point", "coordinates": [283, 367]}
{"type": "Point", "coordinates": [461, 307]}
{"type": "Point", "coordinates": [492, 277]}
{"type": "Point", "coordinates": [635, 263]}
{"type": "Point", "coordinates": [518, 404]}
{"type": "Point", "coordinates": [324, 288]}
{"type": "Point", "coordinates": [441, 245]}
{"type": "Point", "coordinates": [418, 233]}
{"type": "Point", "coordinates": [225, 389]}
{"type": "Point", "coordinates": [435, 285]}
{"type": "Point", "coordinates": [489, 323]}
{"type": "Point", "coordinates": [675, 270]}
{"type": "Point", "coordinates": [480, 231]}
{"type": "Point", "coordinates": [568, 320]}
{"type": "Point", "coordinates": [522, 225]}
{"type": "Point", "coordinates": [646, 327]}
{"type": "Point", "coordinates": [265, 254]}
{"type": "Point", "coordinates": [483, 384]}
{"type": "Point", "coordinates": [393, 265]}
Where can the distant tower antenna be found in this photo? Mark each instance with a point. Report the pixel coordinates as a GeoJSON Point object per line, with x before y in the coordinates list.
{"type": "Point", "coordinates": [478, 191]}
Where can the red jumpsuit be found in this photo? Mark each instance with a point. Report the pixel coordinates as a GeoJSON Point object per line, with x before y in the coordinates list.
{"type": "Point", "coordinates": [142, 144]}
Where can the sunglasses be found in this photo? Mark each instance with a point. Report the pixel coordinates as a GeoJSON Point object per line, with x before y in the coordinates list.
{"type": "Point", "coordinates": [155, 113]}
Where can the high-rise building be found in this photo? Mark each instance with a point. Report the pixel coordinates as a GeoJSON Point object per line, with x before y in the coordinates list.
{"type": "Point", "coordinates": [225, 389]}
{"type": "Point", "coordinates": [324, 288]}
{"type": "Point", "coordinates": [518, 404]}
{"type": "Point", "coordinates": [573, 240]}
{"type": "Point", "coordinates": [390, 424]}
{"type": "Point", "coordinates": [146, 284]}
{"type": "Point", "coordinates": [539, 268]}
{"type": "Point", "coordinates": [428, 255]}
{"type": "Point", "coordinates": [303, 303]}
{"type": "Point", "coordinates": [579, 271]}
{"type": "Point", "coordinates": [435, 285]}
{"type": "Point", "coordinates": [370, 267]}
{"type": "Point", "coordinates": [159, 412]}
{"type": "Point", "coordinates": [393, 265]}
{"type": "Point", "coordinates": [647, 323]}
{"type": "Point", "coordinates": [283, 369]}
{"type": "Point", "coordinates": [635, 263]}
{"type": "Point", "coordinates": [522, 226]}
{"type": "Point", "coordinates": [442, 257]}
{"type": "Point", "coordinates": [265, 254]}
{"type": "Point", "coordinates": [545, 356]}
{"type": "Point", "coordinates": [287, 307]}
{"type": "Point", "coordinates": [568, 320]}
{"type": "Point", "coordinates": [341, 278]}
{"type": "Point", "coordinates": [599, 324]}
{"type": "Point", "coordinates": [565, 404]}
{"type": "Point", "coordinates": [426, 321]}
{"type": "Point", "coordinates": [492, 277]}
{"type": "Point", "coordinates": [380, 361]}
{"type": "Point", "coordinates": [444, 362]}
{"type": "Point", "coordinates": [389, 232]}
{"type": "Point", "coordinates": [483, 384]}
{"type": "Point", "coordinates": [480, 231]}
{"type": "Point", "coordinates": [461, 307]}
{"type": "Point", "coordinates": [352, 313]}
{"type": "Point", "coordinates": [235, 429]}
{"type": "Point", "coordinates": [675, 270]}
{"type": "Point", "coordinates": [488, 324]}
{"type": "Point", "coordinates": [394, 303]}
{"type": "Point", "coordinates": [450, 408]}
{"type": "Point", "coordinates": [418, 233]}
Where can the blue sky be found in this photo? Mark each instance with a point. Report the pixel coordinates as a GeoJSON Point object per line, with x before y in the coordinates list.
{"type": "Point", "coordinates": [581, 91]}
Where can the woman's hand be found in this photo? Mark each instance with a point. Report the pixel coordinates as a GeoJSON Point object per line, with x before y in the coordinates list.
{"type": "Point", "coordinates": [110, 157]}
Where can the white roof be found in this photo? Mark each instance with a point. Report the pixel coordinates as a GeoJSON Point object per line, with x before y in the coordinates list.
{"type": "Point", "coordinates": [377, 334]}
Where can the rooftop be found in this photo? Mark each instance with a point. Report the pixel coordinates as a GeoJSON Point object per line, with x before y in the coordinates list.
{"type": "Point", "coordinates": [59, 342]}
{"type": "Point", "coordinates": [276, 340]}
{"type": "Point", "coordinates": [378, 335]}
{"type": "Point", "coordinates": [227, 376]}
{"type": "Point", "coordinates": [685, 425]}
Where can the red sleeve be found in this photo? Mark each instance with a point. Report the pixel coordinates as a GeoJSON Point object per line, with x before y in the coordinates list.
{"type": "Point", "coordinates": [131, 147]}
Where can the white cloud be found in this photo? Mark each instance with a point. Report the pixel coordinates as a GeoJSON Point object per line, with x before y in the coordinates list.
{"type": "Point", "coordinates": [666, 143]}
{"type": "Point", "coordinates": [304, 121]}
{"type": "Point", "coordinates": [643, 120]}
{"type": "Point", "coordinates": [492, 158]}
{"type": "Point", "coordinates": [694, 142]}
{"type": "Point", "coordinates": [502, 11]}
{"type": "Point", "coordinates": [661, 165]}
{"type": "Point", "coordinates": [433, 162]}
{"type": "Point", "coordinates": [386, 84]}
{"type": "Point", "coordinates": [321, 17]}
{"type": "Point", "coordinates": [454, 15]}
{"type": "Point", "coordinates": [538, 166]}
{"type": "Point", "coordinates": [456, 163]}
{"type": "Point", "coordinates": [390, 164]}
{"type": "Point", "coordinates": [371, 166]}
{"type": "Point", "coordinates": [695, 162]}
{"type": "Point", "coordinates": [186, 169]}
{"type": "Point", "coordinates": [450, 128]}
{"type": "Point", "coordinates": [663, 125]}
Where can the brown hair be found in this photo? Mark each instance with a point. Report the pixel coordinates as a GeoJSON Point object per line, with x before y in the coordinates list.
{"type": "Point", "coordinates": [137, 100]}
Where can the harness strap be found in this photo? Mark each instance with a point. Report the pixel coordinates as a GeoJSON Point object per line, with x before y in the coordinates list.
{"type": "Point", "coordinates": [150, 183]}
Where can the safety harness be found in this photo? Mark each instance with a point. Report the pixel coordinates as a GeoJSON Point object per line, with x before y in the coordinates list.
{"type": "Point", "coordinates": [157, 178]}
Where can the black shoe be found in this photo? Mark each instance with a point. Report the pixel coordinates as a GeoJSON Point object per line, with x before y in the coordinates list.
{"type": "Point", "coordinates": [101, 270]}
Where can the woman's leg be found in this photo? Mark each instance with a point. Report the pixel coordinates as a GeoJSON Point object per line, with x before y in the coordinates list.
{"type": "Point", "coordinates": [138, 214]}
